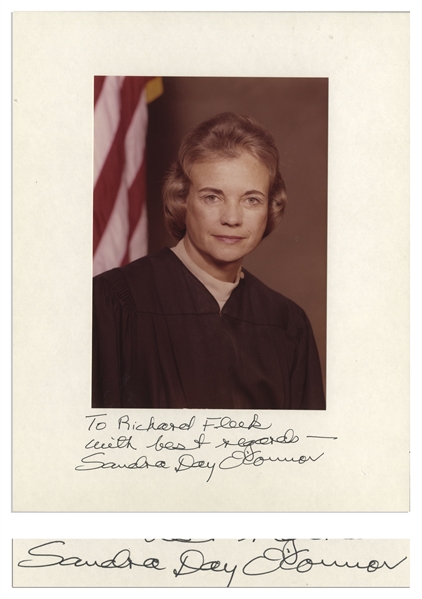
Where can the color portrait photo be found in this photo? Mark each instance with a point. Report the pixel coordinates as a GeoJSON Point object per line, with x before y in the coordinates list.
{"type": "Point", "coordinates": [210, 241]}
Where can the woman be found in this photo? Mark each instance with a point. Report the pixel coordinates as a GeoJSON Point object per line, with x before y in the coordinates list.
{"type": "Point", "coordinates": [186, 327]}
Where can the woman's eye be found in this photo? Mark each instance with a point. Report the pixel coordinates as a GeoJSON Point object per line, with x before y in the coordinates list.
{"type": "Point", "coordinates": [211, 199]}
{"type": "Point", "coordinates": [252, 201]}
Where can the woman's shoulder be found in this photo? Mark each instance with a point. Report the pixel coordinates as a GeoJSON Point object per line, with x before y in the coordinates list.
{"type": "Point", "coordinates": [137, 267]}
{"type": "Point", "coordinates": [272, 307]}
{"type": "Point", "coordinates": [136, 284]}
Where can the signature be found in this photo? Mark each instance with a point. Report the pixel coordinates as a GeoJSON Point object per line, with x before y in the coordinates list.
{"type": "Point", "coordinates": [284, 555]}
{"type": "Point", "coordinates": [244, 457]}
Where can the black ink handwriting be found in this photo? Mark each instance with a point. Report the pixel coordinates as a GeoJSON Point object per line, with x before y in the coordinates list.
{"type": "Point", "coordinates": [193, 560]}
{"type": "Point", "coordinates": [226, 422]}
{"type": "Point", "coordinates": [171, 446]}
{"type": "Point", "coordinates": [99, 426]}
{"type": "Point", "coordinates": [194, 541]}
{"type": "Point", "coordinates": [288, 437]}
{"type": "Point", "coordinates": [122, 559]}
{"type": "Point", "coordinates": [320, 437]}
{"type": "Point", "coordinates": [249, 457]}
{"type": "Point", "coordinates": [283, 555]}
{"type": "Point", "coordinates": [141, 463]}
{"type": "Point", "coordinates": [187, 462]}
{"type": "Point", "coordinates": [125, 423]}
{"type": "Point", "coordinates": [289, 557]}
{"type": "Point", "coordinates": [121, 442]}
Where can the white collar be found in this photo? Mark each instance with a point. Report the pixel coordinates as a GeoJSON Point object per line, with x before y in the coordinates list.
{"type": "Point", "coordinates": [220, 290]}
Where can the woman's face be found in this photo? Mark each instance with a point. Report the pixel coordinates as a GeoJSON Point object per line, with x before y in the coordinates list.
{"type": "Point", "coordinates": [226, 210]}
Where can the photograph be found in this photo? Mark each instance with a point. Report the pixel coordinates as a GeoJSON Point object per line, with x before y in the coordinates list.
{"type": "Point", "coordinates": [191, 176]}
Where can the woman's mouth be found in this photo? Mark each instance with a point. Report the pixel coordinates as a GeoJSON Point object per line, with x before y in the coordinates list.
{"type": "Point", "coordinates": [228, 239]}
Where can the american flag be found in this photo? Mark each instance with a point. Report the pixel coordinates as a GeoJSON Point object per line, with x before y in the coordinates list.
{"type": "Point", "coordinates": [120, 128]}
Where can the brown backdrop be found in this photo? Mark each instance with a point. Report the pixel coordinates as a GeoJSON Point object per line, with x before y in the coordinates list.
{"type": "Point", "coordinates": [293, 259]}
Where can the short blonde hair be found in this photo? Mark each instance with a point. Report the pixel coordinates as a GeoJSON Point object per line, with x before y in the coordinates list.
{"type": "Point", "coordinates": [222, 136]}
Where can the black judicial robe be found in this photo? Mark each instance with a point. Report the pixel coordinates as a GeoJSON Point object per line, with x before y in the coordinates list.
{"type": "Point", "coordinates": [160, 341]}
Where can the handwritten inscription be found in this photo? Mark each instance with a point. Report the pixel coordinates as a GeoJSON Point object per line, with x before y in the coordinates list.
{"type": "Point", "coordinates": [273, 557]}
{"type": "Point", "coordinates": [208, 445]}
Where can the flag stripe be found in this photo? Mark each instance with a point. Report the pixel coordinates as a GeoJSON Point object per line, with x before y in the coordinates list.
{"type": "Point", "coordinates": [137, 190]}
{"type": "Point", "coordinates": [135, 165]}
{"type": "Point", "coordinates": [108, 184]}
{"type": "Point", "coordinates": [98, 85]}
{"type": "Point", "coordinates": [137, 213]}
{"type": "Point", "coordinates": [106, 122]}
{"type": "Point", "coordinates": [120, 127]}
{"type": "Point", "coordinates": [111, 249]}
{"type": "Point", "coordinates": [134, 143]}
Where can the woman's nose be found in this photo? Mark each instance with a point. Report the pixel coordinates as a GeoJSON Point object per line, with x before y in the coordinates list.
{"type": "Point", "coordinates": [231, 214]}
